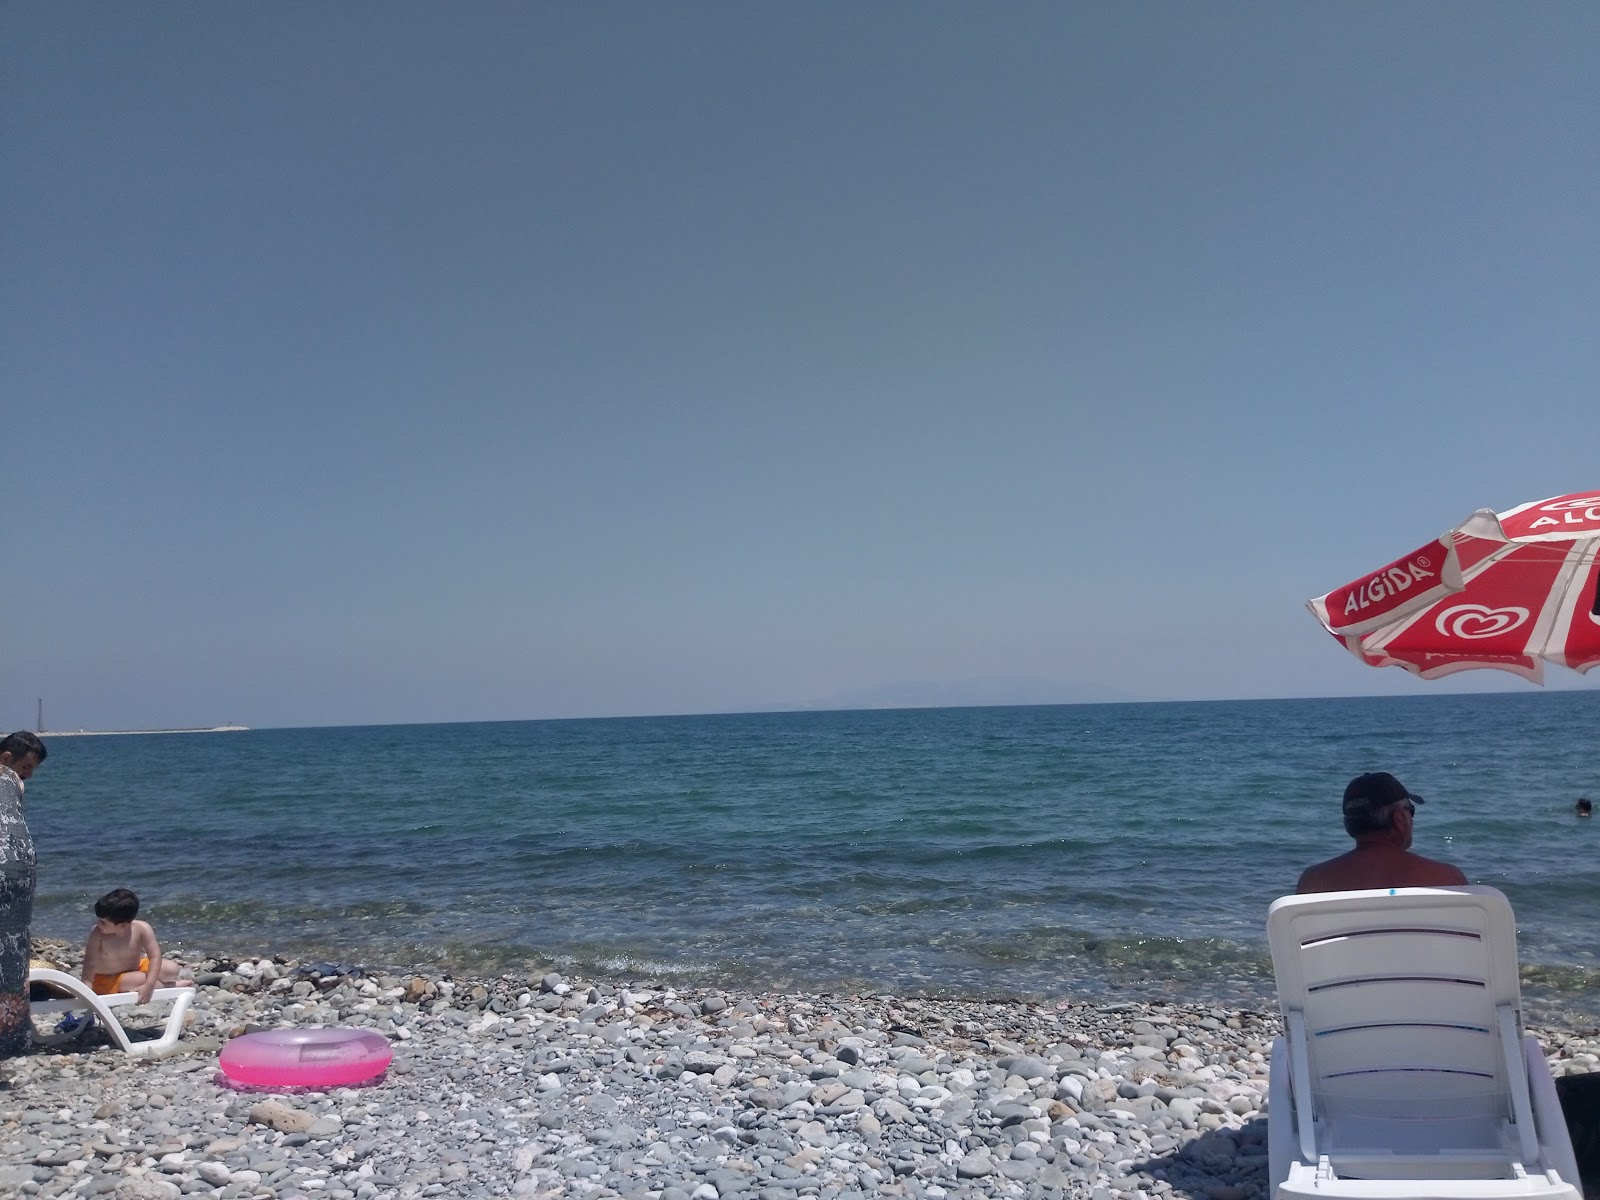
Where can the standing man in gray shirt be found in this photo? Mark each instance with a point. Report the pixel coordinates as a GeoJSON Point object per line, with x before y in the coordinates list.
{"type": "Point", "coordinates": [20, 754]}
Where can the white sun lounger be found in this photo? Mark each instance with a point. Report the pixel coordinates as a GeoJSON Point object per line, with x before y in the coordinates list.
{"type": "Point", "coordinates": [1403, 1071]}
{"type": "Point", "coordinates": [72, 995]}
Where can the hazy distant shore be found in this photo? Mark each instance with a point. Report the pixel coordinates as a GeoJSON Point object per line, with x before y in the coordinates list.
{"type": "Point", "coordinates": [61, 733]}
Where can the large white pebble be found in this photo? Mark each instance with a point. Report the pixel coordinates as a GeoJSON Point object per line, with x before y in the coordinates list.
{"type": "Point", "coordinates": [1185, 1109]}
{"type": "Point", "coordinates": [147, 1187]}
{"type": "Point", "coordinates": [975, 1166]}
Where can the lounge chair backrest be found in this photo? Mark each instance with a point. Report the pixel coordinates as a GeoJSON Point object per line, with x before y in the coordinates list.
{"type": "Point", "coordinates": [1404, 997]}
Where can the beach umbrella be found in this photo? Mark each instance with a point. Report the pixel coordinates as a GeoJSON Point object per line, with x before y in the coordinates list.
{"type": "Point", "coordinates": [1508, 591]}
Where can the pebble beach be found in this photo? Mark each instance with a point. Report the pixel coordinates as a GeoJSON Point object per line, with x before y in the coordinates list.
{"type": "Point", "coordinates": [552, 1087]}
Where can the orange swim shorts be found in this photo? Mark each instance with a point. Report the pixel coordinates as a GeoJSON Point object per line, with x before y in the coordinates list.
{"type": "Point", "coordinates": [110, 985]}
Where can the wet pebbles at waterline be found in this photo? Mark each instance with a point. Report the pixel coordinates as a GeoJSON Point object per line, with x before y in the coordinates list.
{"type": "Point", "coordinates": [546, 1087]}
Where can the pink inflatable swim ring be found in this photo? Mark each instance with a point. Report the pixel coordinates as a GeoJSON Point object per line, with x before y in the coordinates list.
{"type": "Point", "coordinates": [306, 1058]}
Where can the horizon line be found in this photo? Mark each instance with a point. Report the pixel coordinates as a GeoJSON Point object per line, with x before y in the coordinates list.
{"type": "Point", "coordinates": [796, 711]}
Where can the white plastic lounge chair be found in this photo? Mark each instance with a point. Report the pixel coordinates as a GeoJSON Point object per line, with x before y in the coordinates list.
{"type": "Point", "coordinates": [72, 995]}
{"type": "Point", "coordinates": [1403, 1070]}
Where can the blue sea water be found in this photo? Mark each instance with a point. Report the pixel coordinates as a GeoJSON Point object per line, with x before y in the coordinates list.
{"type": "Point", "coordinates": [1120, 850]}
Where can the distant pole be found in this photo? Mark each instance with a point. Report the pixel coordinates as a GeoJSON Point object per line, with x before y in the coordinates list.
{"type": "Point", "coordinates": [41, 716]}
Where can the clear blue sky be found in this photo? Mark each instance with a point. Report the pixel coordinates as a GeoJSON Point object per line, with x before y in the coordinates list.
{"type": "Point", "coordinates": [409, 362]}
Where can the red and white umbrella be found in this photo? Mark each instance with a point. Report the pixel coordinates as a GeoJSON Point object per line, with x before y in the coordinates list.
{"type": "Point", "coordinates": [1510, 591]}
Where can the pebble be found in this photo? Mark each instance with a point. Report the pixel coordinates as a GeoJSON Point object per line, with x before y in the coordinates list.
{"type": "Point", "coordinates": [542, 1087]}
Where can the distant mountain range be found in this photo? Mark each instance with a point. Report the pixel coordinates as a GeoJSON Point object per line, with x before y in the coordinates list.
{"type": "Point", "coordinates": [966, 693]}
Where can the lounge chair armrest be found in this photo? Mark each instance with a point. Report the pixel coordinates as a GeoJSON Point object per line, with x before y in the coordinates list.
{"type": "Point", "coordinates": [1300, 1084]}
{"type": "Point", "coordinates": [1550, 1121]}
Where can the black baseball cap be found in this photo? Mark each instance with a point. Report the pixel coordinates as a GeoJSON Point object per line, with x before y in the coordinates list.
{"type": "Point", "coordinates": [1370, 794]}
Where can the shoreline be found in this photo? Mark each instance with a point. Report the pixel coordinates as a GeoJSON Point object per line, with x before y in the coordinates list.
{"type": "Point", "coordinates": [1555, 994]}
{"type": "Point", "coordinates": [543, 1086]}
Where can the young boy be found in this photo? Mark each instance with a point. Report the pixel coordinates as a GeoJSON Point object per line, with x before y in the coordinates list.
{"type": "Point", "coordinates": [122, 954]}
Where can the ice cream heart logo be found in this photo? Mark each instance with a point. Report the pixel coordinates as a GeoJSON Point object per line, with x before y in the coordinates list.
{"type": "Point", "coordinates": [1478, 620]}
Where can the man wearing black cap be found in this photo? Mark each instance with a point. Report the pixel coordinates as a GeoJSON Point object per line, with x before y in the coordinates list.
{"type": "Point", "coordinates": [1378, 812]}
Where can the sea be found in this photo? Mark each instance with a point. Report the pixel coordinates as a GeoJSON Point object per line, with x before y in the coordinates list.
{"type": "Point", "coordinates": [1102, 851]}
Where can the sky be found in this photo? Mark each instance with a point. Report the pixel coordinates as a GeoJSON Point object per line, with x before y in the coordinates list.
{"type": "Point", "coordinates": [401, 362]}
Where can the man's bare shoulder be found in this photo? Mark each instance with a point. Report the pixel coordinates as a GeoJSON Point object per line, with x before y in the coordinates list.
{"type": "Point", "coordinates": [1357, 871]}
{"type": "Point", "coordinates": [1430, 872]}
{"type": "Point", "coordinates": [1312, 879]}
{"type": "Point", "coordinates": [1330, 876]}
